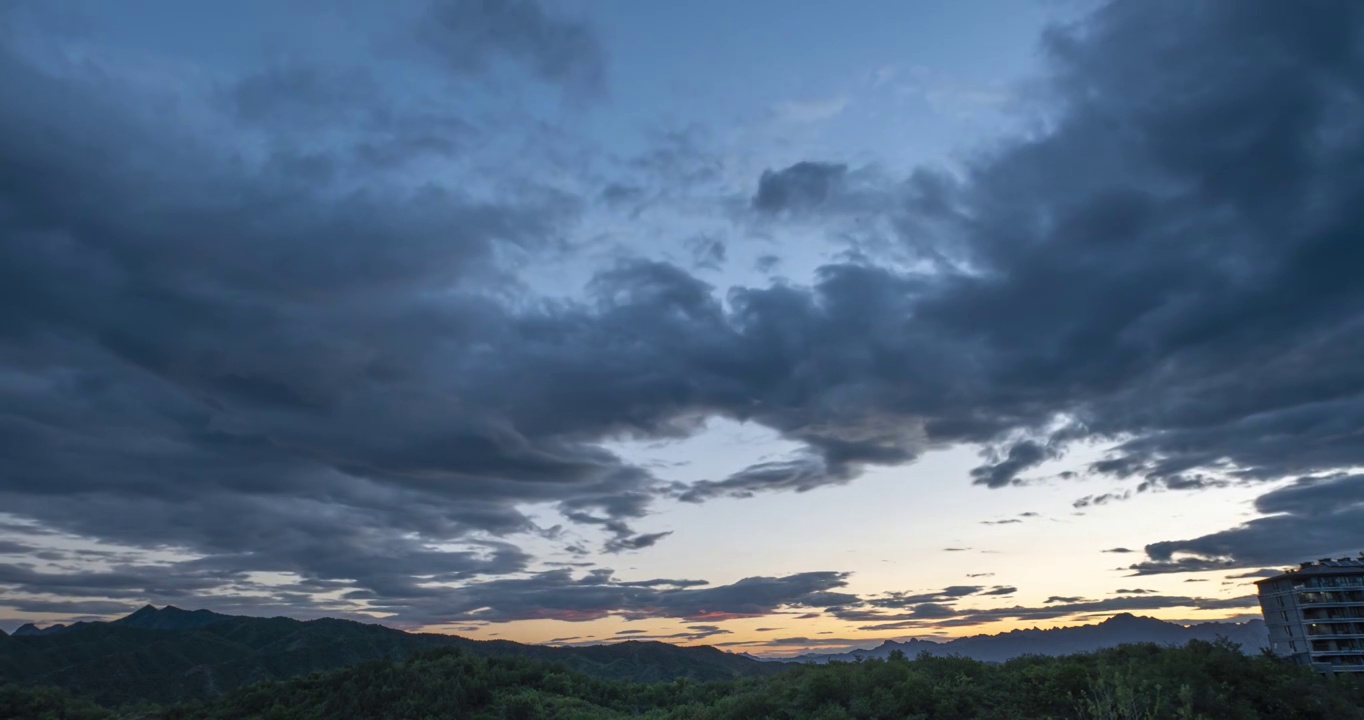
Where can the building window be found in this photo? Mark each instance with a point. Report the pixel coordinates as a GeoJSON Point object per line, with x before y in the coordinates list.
{"type": "Point", "coordinates": [1292, 646]}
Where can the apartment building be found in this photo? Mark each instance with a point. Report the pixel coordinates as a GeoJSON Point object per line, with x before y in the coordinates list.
{"type": "Point", "coordinates": [1315, 614]}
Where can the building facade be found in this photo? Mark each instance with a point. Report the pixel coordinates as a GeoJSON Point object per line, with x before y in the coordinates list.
{"type": "Point", "coordinates": [1315, 614]}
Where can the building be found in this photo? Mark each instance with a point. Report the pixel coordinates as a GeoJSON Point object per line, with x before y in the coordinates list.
{"type": "Point", "coordinates": [1315, 614]}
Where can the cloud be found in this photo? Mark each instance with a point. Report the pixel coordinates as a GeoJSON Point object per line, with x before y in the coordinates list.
{"type": "Point", "coordinates": [1077, 263]}
{"type": "Point", "coordinates": [802, 186]}
{"type": "Point", "coordinates": [809, 111]}
{"type": "Point", "coordinates": [1308, 518]}
{"type": "Point", "coordinates": [797, 642]}
{"type": "Point", "coordinates": [935, 615]}
{"type": "Point", "coordinates": [341, 380]}
{"type": "Point", "coordinates": [1252, 574]}
{"type": "Point", "coordinates": [10, 547]}
{"type": "Point", "coordinates": [947, 594]}
{"type": "Point", "coordinates": [663, 582]}
{"type": "Point", "coordinates": [1022, 455]}
{"type": "Point", "coordinates": [798, 475]}
{"type": "Point", "coordinates": [557, 595]}
{"type": "Point", "coordinates": [468, 35]}
{"type": "Point", "coordinates": [635, 542]}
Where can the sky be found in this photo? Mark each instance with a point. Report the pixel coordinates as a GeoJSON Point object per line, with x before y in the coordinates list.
{"type": "Point", "coordinates": [777, 326]}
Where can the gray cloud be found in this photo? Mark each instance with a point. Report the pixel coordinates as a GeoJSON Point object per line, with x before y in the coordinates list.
{"type": "Point", "coordinates": [469, 35]}
{"type": "Point", "coordinates": [1022, 455]}
{"type": "Point", "coordinates": [1056, 607]}
{"type": "Point", "coordinates": [635, 542]}
{"type": "Point", "coordinates": [947, 594]}
{"type": "Point", "coordinates": [802, 186]}
{"type": "Point", "coordinates": [1309, 518]}
{"type": "Point", "coordinates": [798, 475]}
{"type": "Point", "coordinates": [271, 374]}
{"type": "Point", "coordinates": [556, 594]}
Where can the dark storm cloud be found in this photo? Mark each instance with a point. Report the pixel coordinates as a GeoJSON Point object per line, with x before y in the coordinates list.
{"type": "Point", "coordinates": [802, 186]}
{"type": "Point", "coordinates": [10, 547]}
{"type": "Point", "coordinates": [558, 595]}
{"type": "Point", "coordinates": [469, 35]}
{"type": "Point", "coordinates": [1021, 456]}
{"type": "Point", "coordinates": [330, 380]}
{"type": "Point", "coordinates": [1304, 520]}
{"type": "Point", "coordinates": [1162, 267]}
{"type": "Point", "coordinates": [252, 365]}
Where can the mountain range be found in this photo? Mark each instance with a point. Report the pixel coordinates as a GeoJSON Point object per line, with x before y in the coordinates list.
{"type": "Point", "coordinates": [172, 655]}
{"type": "Point", "coordinates": [169, 655]}
{"type": "Point", "coordinates": [1120, 629]}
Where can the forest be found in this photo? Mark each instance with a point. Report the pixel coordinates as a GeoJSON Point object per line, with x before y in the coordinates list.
{"type": "Point", "coordinates": [1198, 681]}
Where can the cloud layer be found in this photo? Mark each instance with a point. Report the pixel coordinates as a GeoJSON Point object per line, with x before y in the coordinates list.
{"type": "Point", "coordinates": [277, 358]}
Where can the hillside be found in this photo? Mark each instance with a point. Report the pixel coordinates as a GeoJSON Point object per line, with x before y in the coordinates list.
{"type": "Point", "coordinates": [1118, 630]}
{"type": "Point", "coordinates": [1208, 681]}
{"type": "Point", "coordinates": [173, 655]}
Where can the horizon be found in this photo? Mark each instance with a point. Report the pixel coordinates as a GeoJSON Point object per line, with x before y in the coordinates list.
{"type": "Point", "coordinates": [759, 326]}
{"type": "Point", "coordinates": [783, 654]}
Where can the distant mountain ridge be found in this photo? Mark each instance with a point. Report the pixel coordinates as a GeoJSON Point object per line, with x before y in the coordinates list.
{"type": "Point", "coordinates": [174, 655]}
{"type": "Point", "coordinates": [1121, 629]}
{"type": "Point", "coordinates": [149, 617]}
{"type": "Point", "coordinates": [171, 618]}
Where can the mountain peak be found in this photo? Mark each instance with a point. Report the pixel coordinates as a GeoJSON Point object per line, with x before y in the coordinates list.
{"type": "Point", "coordinates": [31, 629]}
{"type": "Point", "coordinates": [1126, 618]}
{"type": "Point", "coordinates": [143, 611]}
{"type": "Point", "coordinates": [170, 617]}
